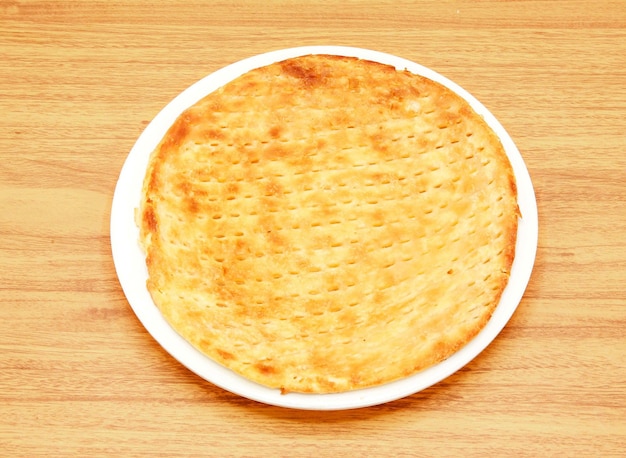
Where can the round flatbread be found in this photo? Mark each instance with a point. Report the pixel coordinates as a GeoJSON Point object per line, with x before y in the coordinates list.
{"type": "Point", "coordinates": [326, 223]}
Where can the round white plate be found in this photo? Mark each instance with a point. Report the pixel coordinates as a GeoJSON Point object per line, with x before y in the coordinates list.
{"type": "Point", "coordinates": [131, 268]}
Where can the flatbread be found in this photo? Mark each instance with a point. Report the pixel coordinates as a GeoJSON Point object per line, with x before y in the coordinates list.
{"type": "Point", "coordinates": [326, 224]}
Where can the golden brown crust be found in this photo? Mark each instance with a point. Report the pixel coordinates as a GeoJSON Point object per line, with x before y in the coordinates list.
{"type": "Point", "coordinates": [325, 224]}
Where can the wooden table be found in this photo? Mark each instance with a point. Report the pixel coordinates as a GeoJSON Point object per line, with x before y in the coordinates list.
{"type": "Point", "coordinates": [80, 376]}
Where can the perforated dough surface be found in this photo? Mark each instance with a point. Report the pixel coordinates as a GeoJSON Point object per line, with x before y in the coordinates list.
{"type": "Point", "coordinates": [325, 224]}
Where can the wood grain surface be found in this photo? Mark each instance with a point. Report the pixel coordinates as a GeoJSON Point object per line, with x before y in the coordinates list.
{"type": "Point", "coordinates": [80, 376]}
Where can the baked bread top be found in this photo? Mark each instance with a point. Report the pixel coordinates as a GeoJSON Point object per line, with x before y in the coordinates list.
{"type": "Point", "coordinates": [326, 223]}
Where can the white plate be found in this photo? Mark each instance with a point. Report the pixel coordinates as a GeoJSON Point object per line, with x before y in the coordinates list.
{"type": "Point", "coordinates": [131, 268]}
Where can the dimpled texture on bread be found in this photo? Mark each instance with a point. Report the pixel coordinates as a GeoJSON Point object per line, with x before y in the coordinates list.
{"type": "Point", "coordinates": [325, 224]}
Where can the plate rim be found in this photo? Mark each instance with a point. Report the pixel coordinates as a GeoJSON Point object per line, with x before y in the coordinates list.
{"type": "Point", "coordinates": [124, 242]}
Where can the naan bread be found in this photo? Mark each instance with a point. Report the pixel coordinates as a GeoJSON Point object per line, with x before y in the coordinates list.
{"type": "Point", "coordinates": [325, 224]}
